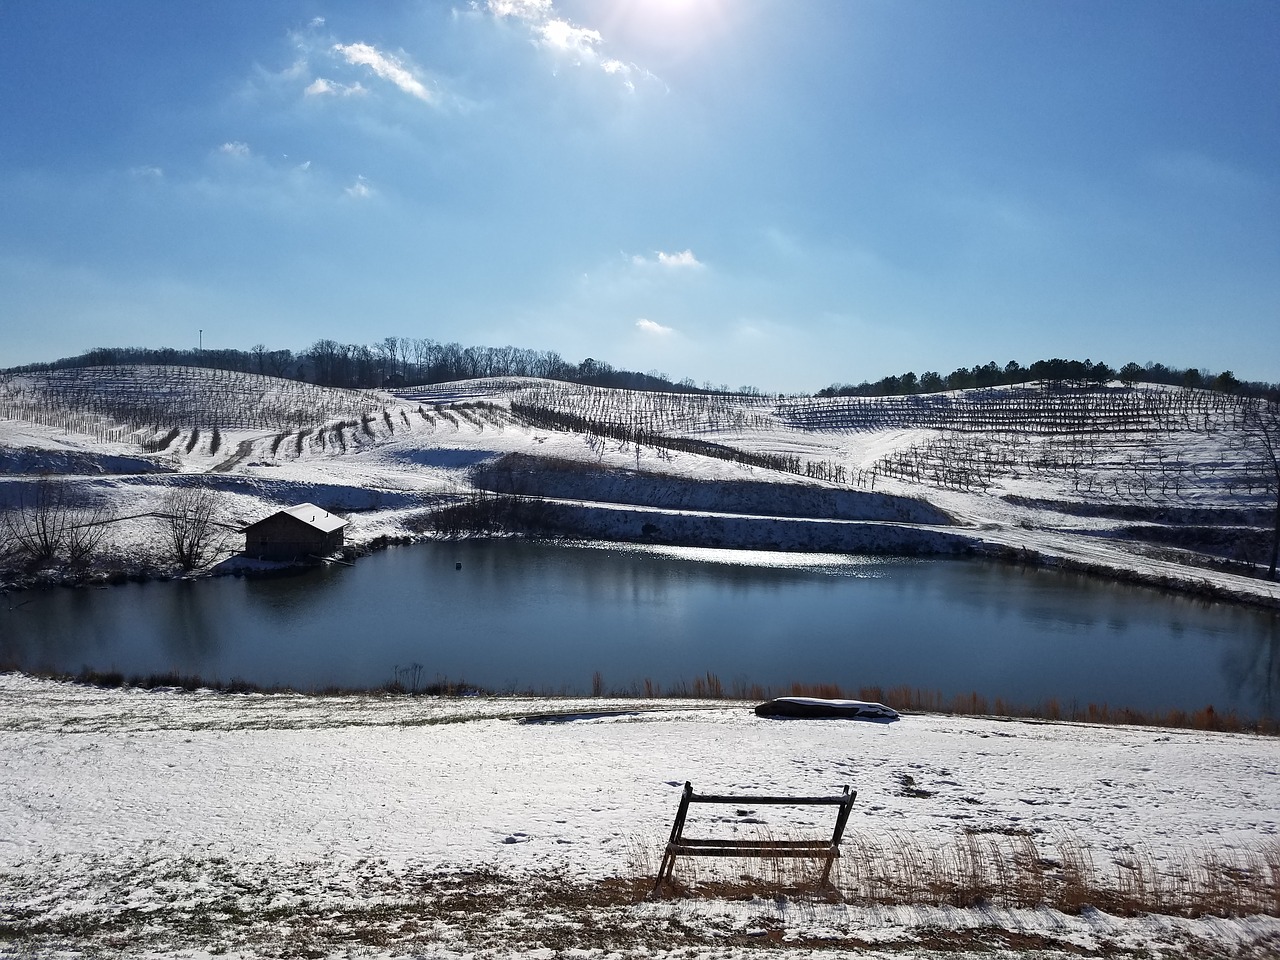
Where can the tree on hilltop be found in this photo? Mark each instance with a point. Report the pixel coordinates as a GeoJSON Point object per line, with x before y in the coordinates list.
{"type": "Point", "coordinates": [1130, 374]}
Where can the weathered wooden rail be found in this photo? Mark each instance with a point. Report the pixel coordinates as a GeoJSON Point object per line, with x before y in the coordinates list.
{"type": "Point", "coordinates": [681, 846]}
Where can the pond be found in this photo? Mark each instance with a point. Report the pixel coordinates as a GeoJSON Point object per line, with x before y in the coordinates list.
{"type": "Point", "coordinates": [519, 616]}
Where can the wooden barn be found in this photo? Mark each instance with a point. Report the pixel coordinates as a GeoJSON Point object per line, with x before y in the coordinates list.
{"type": "Point", "coordinates": [301, 531]}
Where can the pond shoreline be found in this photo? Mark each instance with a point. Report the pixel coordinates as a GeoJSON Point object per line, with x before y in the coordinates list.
{"type": "Point", "coordinates": [907, 542]}
{"type": "Point", "coordinates": [971, 705]}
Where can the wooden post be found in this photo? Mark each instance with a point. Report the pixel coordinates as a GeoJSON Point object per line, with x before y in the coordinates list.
{"type": "Point", "coordinates": [677, 828]}
{"type": "Point", "coordinates": [842, 818]}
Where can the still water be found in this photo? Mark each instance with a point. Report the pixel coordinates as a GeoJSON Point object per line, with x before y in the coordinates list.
{"type": "Point", "coordinates": [525, 616]}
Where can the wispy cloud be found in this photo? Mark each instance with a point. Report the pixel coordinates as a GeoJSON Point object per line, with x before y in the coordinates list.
{"type": "Point", "coordinates": [653, 328]}
{"type": "Point", "coordinates": [147, 172]}
{"type": "Point", "coordinates": [295, 71]}
{"type": "Point", "coordinates": [624, 70]}
{"type": "Point", "coordinates": [360, 190]}
{"type": "Point", "coordinates": [684, 260]}
{"type": "Point", "coordinates": [552, 31]}
{"type": "Point", "coordinates": [385, 66]}
{"type": "Point", "coordinates": [563, 35]}
{"type": "Point", "coordinates": [322, 87]}
{"type": "Point", "coordinates": [523, 9]}
{"type": "Point", "coordinates": [234, 148]}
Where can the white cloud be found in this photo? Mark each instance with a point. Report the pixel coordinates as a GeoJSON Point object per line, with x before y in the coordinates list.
{"type": "Point", "coordinates": [684, 258]}
{"type": "Point", "coordinates": [653, 328]}
{"type": "Point", "coordinates": [521, 9]}
{"type": "Point", "coordinates": [386, 66]}
{"type": "Point", "coordinates": [317, 22]}
{"type": "Point", "coordinates": [554, 32]}
{"type": "Point", "coordinates": [147, 172]}
{"type": "Point", "coordinates": [234, 148]}
{"type": "Point", "coordinates": [360, 190]}
{"type": "Point", "coordinates": [623, 70]}
{"type": "Point", "coordinates": [321, 87]}
{"type": "Point", "coordinates": [562, 35]}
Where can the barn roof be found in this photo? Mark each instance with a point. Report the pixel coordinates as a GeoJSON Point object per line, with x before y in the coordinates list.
{"type": "Point", "coordinates": [312, 516]}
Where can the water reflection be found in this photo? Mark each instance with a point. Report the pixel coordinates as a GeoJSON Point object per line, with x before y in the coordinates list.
{"type": "Point", "coordinates": [190, 633]}
{"type": "Point", "coordinates": [520, 615]}
{"type": "Point", "coordinates": [1253, 667]}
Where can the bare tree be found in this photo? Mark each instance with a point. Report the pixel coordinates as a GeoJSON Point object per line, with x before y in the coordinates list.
{"type": "Point", "coordinates": [195, 529]}
{"type": "Point", "coordinates": [1260, 436]}
{"type": "Point", "coordinates": [86, 534]}
{"type": "Point", "coordinates": [36, 529]}
{"type": "Point", "coordinates": [47, 525]}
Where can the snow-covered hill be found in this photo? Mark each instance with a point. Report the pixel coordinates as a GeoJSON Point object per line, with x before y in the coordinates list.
{"type": "Point", "coordinates": [1153, 483]}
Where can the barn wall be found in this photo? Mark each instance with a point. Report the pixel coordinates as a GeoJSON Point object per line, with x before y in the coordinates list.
{"type": "Point", "coordinates": [284, 537]}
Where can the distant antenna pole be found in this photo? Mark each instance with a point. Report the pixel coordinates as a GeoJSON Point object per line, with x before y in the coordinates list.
{"type": "Point", "coordinates": [200, 349]}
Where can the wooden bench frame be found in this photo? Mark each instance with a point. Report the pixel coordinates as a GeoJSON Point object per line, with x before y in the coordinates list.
{"type": "Point", "coordinates": [681, 846]}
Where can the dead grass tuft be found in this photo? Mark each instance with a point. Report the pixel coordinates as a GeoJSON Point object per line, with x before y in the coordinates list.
{"type": "Point", "coordinates": [992, 869]}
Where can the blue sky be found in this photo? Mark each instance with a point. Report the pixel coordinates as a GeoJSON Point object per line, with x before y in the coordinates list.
{"type": "Point", "coordinates": [782, 193]}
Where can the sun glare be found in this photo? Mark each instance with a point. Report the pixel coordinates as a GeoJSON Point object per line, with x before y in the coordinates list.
{"type": "Point", "coordinates": [669, 23]}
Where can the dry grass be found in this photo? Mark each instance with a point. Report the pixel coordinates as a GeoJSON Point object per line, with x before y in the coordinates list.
{"type": "Point", "coordinates": [906, 699]}
{"type": "Point", "coordinates": [1009, 870]}
{"type": "Point", "coordinates": [168, 905]}
{"type": "Point", "coordinates": [915, 699]}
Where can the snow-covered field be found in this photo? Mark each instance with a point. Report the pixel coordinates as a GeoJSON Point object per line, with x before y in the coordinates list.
{"type": "Point", "coordinates": [193, 824]}
{"type": "Point", "coordinates": [164, 822]}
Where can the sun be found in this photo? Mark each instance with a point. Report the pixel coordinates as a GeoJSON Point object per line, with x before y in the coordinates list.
{"type": "Point", "coordinates": [679, 8]}
{"type": "Point", "coordinates": [670, 23]}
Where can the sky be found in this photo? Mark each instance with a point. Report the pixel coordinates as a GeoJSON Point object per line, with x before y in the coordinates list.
{"type": "Point", "coordinates": [780, 193]}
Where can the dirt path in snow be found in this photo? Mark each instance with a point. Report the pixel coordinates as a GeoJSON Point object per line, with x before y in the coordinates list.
{"type": "Point", "coordinates": [243, 449]}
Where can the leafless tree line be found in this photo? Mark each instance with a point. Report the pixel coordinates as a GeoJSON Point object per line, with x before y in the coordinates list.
{"type": "Point", "coordinates": [1047, 409]}
{"type": "Point", "coordinates": [49, 526]}
{"type": "Point", "coordinates": [114, 402]}
{"type": "Point", "coordinates": [1142, 467]}
{"type": "Point", "coordinates": [650, 412]}
{"type": "Point", "coordinates": [423, 360]}
{"type": "Point", "coordinates": [388, 363]}
{"type": "Point", "coordinates": [1157, 462]}
{"type": "Point", "coordinates": [597, 431]}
